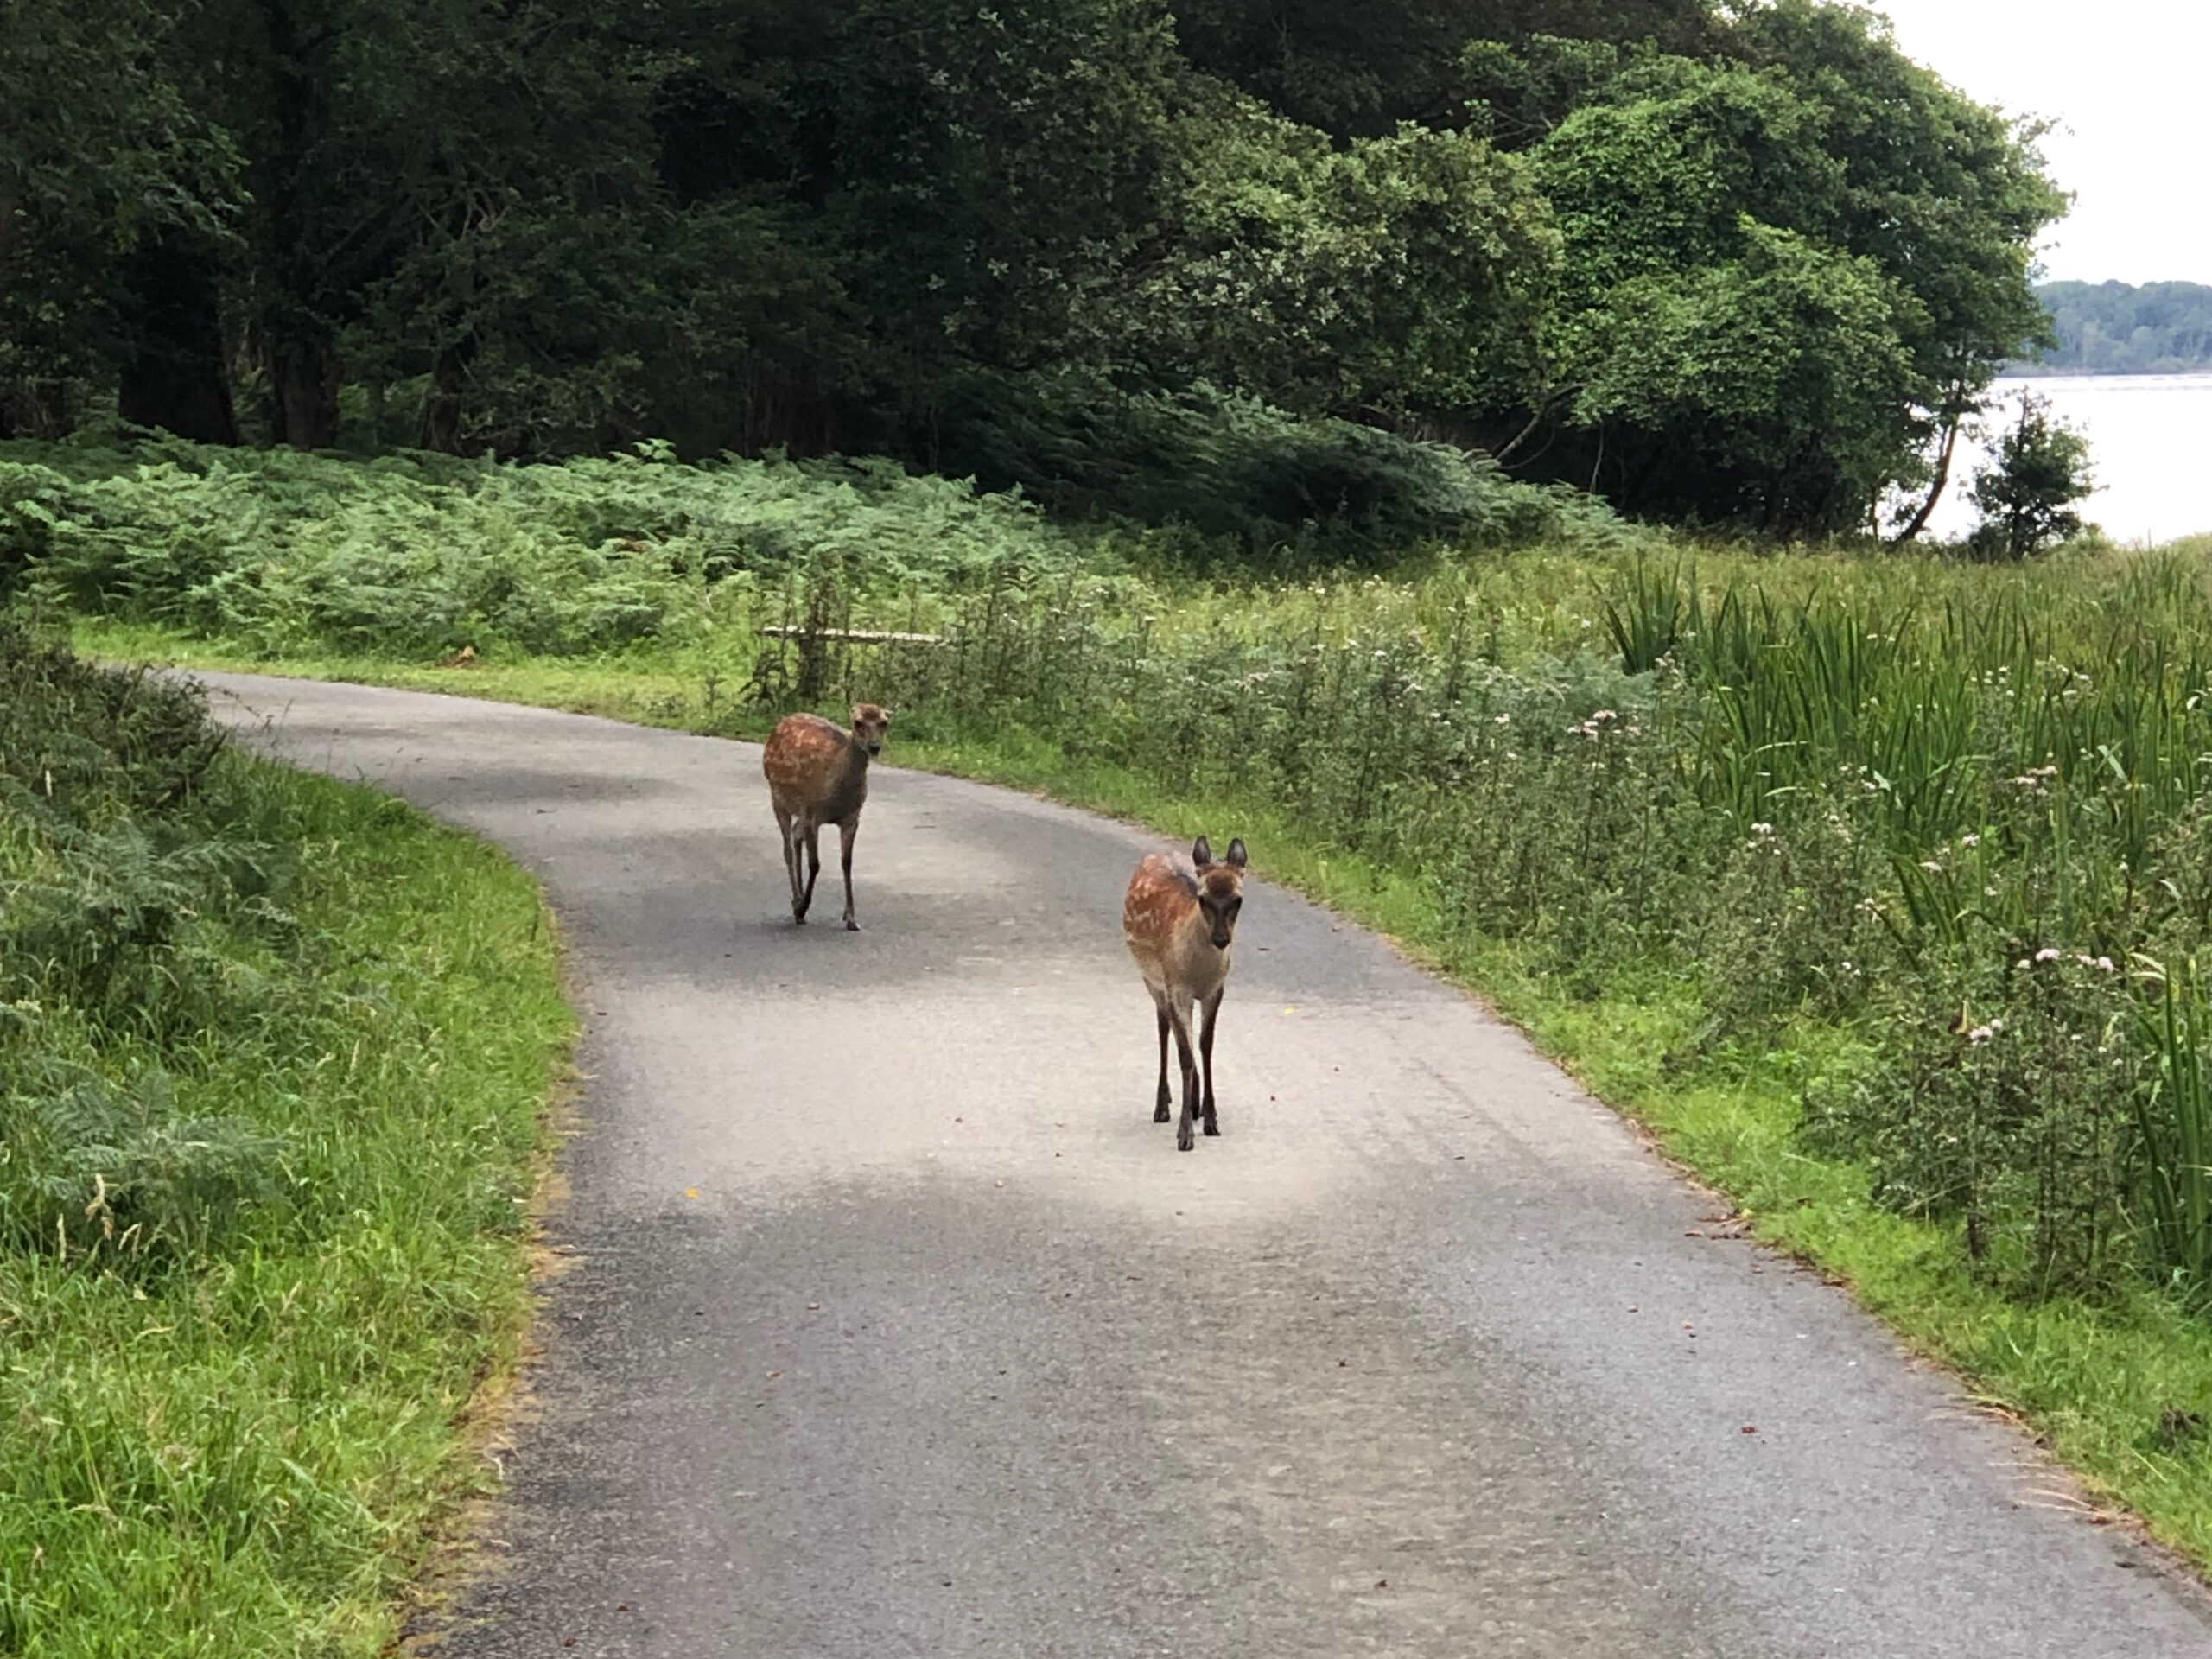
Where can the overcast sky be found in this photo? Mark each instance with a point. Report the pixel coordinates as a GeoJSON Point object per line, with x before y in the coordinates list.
{"type": "Point", "coordinates": [2127, 81]}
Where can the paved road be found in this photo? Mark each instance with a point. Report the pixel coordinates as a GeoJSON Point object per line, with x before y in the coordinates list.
{"type": "Point", "coordinates": [897, 1327]}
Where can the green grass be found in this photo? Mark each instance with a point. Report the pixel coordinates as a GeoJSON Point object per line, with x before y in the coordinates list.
{"type": "Point", "coordinates": [248, 1442]}
{"type": "Point", "coordinates": [2115, 1384]}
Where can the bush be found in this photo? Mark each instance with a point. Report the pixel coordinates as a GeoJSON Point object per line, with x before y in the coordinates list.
{"type": "Point", "coordinates": [419, 556]}
{"type": "Point", "coordinates": [134, 900]}
{"type": "Point", "coordinates": [2027, 495]}
{"type": "Point", "coordinates": [1228, 466]}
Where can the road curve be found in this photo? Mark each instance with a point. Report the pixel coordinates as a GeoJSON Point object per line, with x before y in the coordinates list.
{"type": "Point", "coordinates": [896, 1327]}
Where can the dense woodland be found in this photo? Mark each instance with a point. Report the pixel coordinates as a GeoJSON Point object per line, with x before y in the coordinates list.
{"type": "Point", "coordinates": [1740, 263]}
{"type": "Point", "coordinates": [2119, 328]}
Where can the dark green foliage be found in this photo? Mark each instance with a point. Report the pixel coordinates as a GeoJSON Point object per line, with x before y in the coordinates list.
{"type": "Point", "coordinates": [1746, 264]}
{"type": "Point", "coordinates": [2119, 328]}
{"type": "Point", "coordinates": [1787, 275]}
{"type": "Point", "coordinates": [2026, 493]}
{"type": "Point", "coordinates": [1230, 467]}
{"type": "Point", "coordinates": [101, 152]}
{"type": "Point", "coordinates": [1359, 71]}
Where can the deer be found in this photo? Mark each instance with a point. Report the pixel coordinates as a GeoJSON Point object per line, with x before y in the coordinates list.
{"type": "Point", "coordinates": [817, 774]}
{"type": "Point", "coordinates": [1179, 919]}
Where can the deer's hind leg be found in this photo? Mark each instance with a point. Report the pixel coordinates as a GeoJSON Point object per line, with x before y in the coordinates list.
{"type": "Point", "coordinates": [787, 829]}
{"type": "Point", "coordinates": [812, 834]}
{"type": "Point", "coordinates": [1163, 1099]}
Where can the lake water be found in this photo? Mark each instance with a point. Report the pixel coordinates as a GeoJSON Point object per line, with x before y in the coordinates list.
{"type": "Point", "coordinates": [2150, 444]}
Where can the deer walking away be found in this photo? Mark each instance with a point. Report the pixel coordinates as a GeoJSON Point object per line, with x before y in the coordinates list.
{"type": "Point", "coordinates": [1180, 919]}
{"type": "Point", "coordinates": [817, 774]}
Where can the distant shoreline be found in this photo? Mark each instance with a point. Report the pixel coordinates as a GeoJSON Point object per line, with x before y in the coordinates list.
{"type": "Point", "coordinates": [2045, 371]}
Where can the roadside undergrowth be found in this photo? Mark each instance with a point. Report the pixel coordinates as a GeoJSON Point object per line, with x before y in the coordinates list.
{"type": "Point", "coordinates": [275, 1060]}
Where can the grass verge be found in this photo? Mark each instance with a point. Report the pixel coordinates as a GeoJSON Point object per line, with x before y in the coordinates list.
{"type": "Point", "coordinates": [245, 1439]}
{"type": "Point", "coordinates": [2119, 1388]}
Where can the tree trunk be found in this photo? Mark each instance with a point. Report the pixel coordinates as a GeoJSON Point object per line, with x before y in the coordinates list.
{"type": "Point", "coordinates": [302, 392]}
{"type": "Point", "coordinates": [8, 201]}
{"type": "Point", "coordinates": [175, 380]}
{"type": "Point", "coordinates": [1927, 511]}
{"type": "Point", "coordinates": [301, 289]}
{"type": "Point", "coordinates": [441, 409]}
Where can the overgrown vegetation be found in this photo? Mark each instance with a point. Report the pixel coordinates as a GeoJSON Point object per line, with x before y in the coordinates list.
{"type": "Point", "coordinates": [419, 553]}
{"type": "Point", "coordinates": [273, 1059]}
{"type": "Point", "coordinates": [1956, 820]}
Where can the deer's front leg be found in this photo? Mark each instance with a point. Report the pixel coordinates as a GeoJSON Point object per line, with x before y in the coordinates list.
{"type": "Point", "coordinates": [1183, 1138]}
{"type": "Point", "coordinates": [1205, 1054]}
{"type": "Point", "coordinates": [846, 830]}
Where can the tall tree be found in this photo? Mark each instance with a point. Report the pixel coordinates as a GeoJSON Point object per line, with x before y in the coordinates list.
{"type": "Point", "coordinates": [1358, 71]}
{"type": "Point", "coordinates": [101, 155]}
{"type": "Point", "coordinates": [1922, 206]}
{"type": "Point", "coordinates": [1393, 280]}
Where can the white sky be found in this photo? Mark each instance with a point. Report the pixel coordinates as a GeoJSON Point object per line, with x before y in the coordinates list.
{"type": "Point", "coordinates": [2129, 82]}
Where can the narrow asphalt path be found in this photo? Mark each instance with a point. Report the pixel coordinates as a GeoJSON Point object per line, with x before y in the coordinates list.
{"type": "Point", "coordinates": [894, 1326]}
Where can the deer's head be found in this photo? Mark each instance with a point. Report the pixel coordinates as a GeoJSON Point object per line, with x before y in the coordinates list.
{"type": "Point", "coordinates": [1221, 889]}
{"type": "Point", "coordinates": [870, 723]}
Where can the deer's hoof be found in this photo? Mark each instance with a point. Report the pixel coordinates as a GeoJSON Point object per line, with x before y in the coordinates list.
{"type": "Point", "coordinates": [1185, 1142]}
{"type": "Point", "coordinates": [1212, 1128]}
{"type": "Point", "coordinates": [1159, 1114]}
{"type": "Point", "coordinates": [851, 927]}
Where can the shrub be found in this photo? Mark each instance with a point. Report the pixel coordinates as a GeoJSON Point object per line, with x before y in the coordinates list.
{"type": "Point", "coordinates": [1281, 488]}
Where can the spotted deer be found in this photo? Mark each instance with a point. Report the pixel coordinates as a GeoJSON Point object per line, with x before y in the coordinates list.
{"type": "Point", "coordinates": [817, 774]}
{"type": "Point", "coordinates": [1179, 919]}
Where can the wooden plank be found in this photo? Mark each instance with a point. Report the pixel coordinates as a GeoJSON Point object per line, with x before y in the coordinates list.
{"type": "Point", "coordinates": [853, 636]}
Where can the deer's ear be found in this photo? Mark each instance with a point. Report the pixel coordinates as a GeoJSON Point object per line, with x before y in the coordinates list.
{"type": "Point", "coordinates": [1236, 854]}
{"type": "Point", "coordinates": [1202, 852]}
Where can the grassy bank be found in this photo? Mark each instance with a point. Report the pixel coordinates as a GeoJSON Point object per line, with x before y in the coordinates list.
{"type": "Point", "coordinates": [1874, 885]}
{"type": "Point", "coordinates": [275, 1055]}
